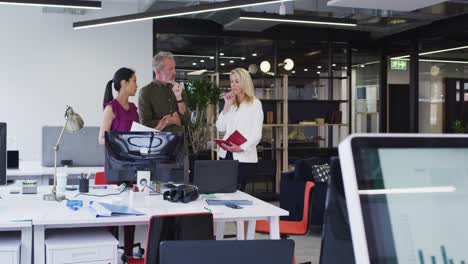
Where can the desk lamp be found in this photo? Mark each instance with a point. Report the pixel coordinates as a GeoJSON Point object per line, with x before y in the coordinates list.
{"type": "Point", "coordinates": [73, 123]}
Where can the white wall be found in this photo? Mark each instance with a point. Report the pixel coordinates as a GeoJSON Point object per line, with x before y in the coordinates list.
{"type": "Point", "coordinates": [45, 65]}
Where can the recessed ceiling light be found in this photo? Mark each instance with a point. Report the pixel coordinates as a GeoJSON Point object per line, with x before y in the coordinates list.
{"type": "Point", "coordinates": [194, 63]}
{"type": "Point", "coordinates": [318, 72]}
{"type": "Point", "coordinates": [254, 54]}
{"type": "Point", "coordinates": [319, 67]}
{"type": "Point", "coordinates": [173, 12]}
{"type": "Point", "coordinates": [293, 71]}
{"type": "Point", "coordinates": [362, 65]}
{"type": "Point", "coordinates": [202, 60]}
{"type": "Point", "coordinates": [211, 58]}
{"type": "Point", "coordinates": [333, 64]}
{"type": "Point", "coordinates": [231, 61]}
{"type": "Point", "coordinates": [306, 69]}
{"type": "Point", "coordinates": [222, 64]}
{"type": "Point", "coordinates": [221, 54]}
{"type": "Point", "coordinates": [242, 58]}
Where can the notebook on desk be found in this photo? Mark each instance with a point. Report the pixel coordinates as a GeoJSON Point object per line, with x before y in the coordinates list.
{"type": "Point", "coordinates": [106, 210]}
{"type": "Point", "coordinates": [406, 197]}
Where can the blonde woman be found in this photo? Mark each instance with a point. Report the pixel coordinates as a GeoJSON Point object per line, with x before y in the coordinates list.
{"type": "Point", "coordinates": [242, 112]}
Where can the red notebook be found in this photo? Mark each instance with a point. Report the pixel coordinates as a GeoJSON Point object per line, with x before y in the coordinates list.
{"type": "Point", "coordinates": [236, 137]}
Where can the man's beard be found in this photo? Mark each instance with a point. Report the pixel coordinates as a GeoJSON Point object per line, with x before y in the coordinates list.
{"type": "Point", "coordinates": [165, 78]}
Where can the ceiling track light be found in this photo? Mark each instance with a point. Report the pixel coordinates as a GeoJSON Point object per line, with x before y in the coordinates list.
{"type": "Point", "coordinates": [315, 20]}
{"type": "Point", "coordinates": [79, 4]}
{"type": "Point", "coordinates": [174, 12]}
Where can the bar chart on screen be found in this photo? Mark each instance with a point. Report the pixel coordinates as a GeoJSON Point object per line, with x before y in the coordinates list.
{"type": "Point", "coordinates": [443, 258]}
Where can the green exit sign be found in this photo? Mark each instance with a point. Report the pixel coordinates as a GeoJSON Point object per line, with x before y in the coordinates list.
{"type": "Point", "coordinates": [398, 65]}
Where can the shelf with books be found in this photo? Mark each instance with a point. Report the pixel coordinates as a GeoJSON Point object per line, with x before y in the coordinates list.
{"type": "Point", "coordinates": [300, 117]}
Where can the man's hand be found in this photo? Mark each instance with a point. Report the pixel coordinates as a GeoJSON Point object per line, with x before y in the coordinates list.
{"type": "Point", "coordinates": [167, 120]}
{"type": "Point", "coordinates": [174, 119]}
{"type": "Point", "coordinates": [163, 123]}
{"type": "Point", "coordinates": [177, 90]}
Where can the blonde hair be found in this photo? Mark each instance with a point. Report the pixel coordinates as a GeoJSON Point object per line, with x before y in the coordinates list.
{"type": "Point", "coordinates": [246, 84]}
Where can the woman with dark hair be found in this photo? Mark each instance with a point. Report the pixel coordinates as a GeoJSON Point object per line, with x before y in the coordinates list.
{"type": "Point", "coordinates": [119, 114]}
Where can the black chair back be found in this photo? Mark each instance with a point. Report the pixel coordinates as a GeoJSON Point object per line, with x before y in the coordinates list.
{"type": "Point", "coordinates": [337, 246]}
{"type": "Point", "coordinates": [228, 252]}
{"type": "Point", "coordinates": [176, 227]}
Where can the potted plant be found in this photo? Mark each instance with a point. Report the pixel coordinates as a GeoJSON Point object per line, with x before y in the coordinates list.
{"type": "Point", "coordinates": [202, 97]}
{"type": "Point", "coordinates": [458, 127]}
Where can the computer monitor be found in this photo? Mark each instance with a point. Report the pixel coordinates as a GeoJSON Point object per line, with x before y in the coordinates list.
{"type": "Point", "coordinates": [161, 153]}
{"type": "Point", "coordinates": [3, 153]}
{"type": "Point", "coordinates": [406, 197]}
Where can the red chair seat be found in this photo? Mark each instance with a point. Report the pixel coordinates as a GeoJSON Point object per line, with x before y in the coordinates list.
{"type": "Point", "coordinates": [136, 261]}
{"type": "Point", "coordinates": [291, 227]}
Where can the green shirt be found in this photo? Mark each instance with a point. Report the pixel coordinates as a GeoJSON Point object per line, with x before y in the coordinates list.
{"type": "Point", "coordinates": [157, 100]}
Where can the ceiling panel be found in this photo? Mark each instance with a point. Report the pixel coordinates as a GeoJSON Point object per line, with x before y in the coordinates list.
{"type": "Point", "coordinates": [396, 5]}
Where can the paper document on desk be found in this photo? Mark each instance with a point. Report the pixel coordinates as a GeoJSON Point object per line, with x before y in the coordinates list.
{"type": "Point", "coordinates": [106, 210]}
{"type": "Point", "coordinates": [137, 127]}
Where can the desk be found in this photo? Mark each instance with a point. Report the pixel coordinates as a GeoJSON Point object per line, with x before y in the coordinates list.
{"type": "Point", "coordinates": [26, 237]}
{"type": "Point", "coordinates": [33, 170]}
{"type": "Point", "coordinates": [46, 215]}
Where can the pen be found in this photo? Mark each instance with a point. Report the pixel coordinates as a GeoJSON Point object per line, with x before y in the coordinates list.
{"type": "Point", "coordinates": [208, 209]}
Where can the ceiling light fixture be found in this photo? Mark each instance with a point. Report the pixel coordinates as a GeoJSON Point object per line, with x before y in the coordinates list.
{"type": "Point", "coordinates": [231, 61]}
{"type": "Point", "coordinates": [254, 54]}
{"type": "Point", "coordinates": [288, 64]}
{"type": "Point", "coordinates": [174, 12]}
{"type": "Point", "coordinates": [443, 50]}
{"type": "Point", "coordinates": [206, 56]}
{"type": "Point", "coordinates": [221, 54]}
{"type": "Point", "coordinates": [265, 66]}
{"type": "Point", "coordinates": [80, 4]}
{"type": "Point", "coordinates": [199, 72]}
{"type": "Point", "coordinates": [314, 20]}
{"type": "Point", "coordinates": [441, 61]}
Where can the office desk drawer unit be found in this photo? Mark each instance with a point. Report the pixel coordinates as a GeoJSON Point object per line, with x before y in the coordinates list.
{"type": "Point", "coordinates": [10, 248]}
{"type": "Point", "coordinates": [80, 246]}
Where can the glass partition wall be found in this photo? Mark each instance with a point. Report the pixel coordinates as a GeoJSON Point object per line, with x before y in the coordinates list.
{"type": "Point", "coordinates": [365, 88]}
{"type": "Point", "coordinates": [303, 86]}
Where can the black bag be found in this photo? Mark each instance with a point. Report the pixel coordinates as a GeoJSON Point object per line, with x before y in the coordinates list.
{"type": "Point", "coordinates": [181, 193]}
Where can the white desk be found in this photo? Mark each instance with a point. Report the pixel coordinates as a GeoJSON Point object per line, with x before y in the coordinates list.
{"type": "Point", "coordinates": [47, 215]}
{"type": "Point", "coordinates": [33, 170]}
{"type": "Point", "coordinates": [26, 236]}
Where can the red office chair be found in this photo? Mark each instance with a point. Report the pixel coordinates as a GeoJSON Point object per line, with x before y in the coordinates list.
{"type": "Point", "coordinates": [174, 227]}
{"type": "Point", "coordinates": [291, 227]}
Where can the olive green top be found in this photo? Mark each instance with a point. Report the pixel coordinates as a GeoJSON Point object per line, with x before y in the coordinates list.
{"type": "Point", "coordinates": [157, 100]}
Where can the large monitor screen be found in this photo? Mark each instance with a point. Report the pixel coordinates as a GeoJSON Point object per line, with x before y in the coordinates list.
{"type": "Point", "coordinates": [414, 195]}
{"type": "Point", "coordinates": [161, 153]}
{"type": "Point", "coordinates": [3, 154]}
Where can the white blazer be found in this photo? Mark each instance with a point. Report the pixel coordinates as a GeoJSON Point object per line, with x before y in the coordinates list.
{"type": "Point", "coordinates": [248, 120]}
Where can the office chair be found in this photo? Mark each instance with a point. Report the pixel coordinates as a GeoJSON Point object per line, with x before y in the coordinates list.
{"type": "Point", "coordinates": [337, 245]}
{"type": "Point", "coordinates": [227, 252]}
{"type": "Point", "coordinates": [197, 226]}
{"type": "Point", "coordinates": [291, 227]}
